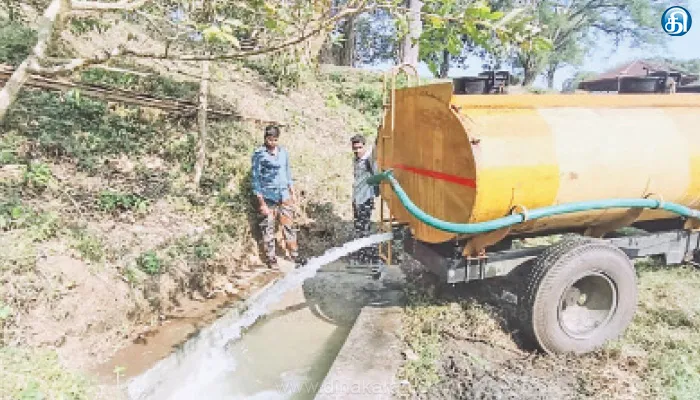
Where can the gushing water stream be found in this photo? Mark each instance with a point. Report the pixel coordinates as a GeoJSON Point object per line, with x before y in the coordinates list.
{"type": "Point", "coordinates": [203, 360]}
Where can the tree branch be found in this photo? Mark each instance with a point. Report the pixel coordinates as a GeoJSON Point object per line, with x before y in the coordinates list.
{"type": "Point", "coordinates": [74, 64]}
{"type": "Point", "coordinates": [506, 18]}
{"type": "Point", "coordinates": [242, 54]}
{"type": "Point", "coordinates": [102, 6]}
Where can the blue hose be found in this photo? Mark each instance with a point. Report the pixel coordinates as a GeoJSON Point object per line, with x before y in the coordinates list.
{"type": "Point", "coordinates": [488, 226]}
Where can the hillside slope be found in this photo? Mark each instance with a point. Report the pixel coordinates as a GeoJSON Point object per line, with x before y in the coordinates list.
{"type": "Point", "coordinates": [105, 239]}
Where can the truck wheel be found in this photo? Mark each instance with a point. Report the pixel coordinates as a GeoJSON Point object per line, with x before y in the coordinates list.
{"type": "Point", "coordinates": [581, 293]}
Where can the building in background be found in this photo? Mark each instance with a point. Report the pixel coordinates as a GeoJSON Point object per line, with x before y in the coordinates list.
{"type": "Point", "coordinates": [643, 76]}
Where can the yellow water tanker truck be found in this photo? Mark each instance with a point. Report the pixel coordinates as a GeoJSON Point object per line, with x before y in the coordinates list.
{"type": "Point", "coordinates": [466, 174]}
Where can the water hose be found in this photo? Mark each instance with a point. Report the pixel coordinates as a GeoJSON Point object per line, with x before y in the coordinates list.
{"type": "Point", "coordinates": [514, 219]}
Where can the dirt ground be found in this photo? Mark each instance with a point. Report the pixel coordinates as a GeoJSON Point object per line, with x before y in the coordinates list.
{"type": "Point", "coordinates": [466, 343]}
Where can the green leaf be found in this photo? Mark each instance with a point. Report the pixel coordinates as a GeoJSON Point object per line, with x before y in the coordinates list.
{"type": "Point", "coordinates": [436, 21]}
{"type": "Point", "coordinates": [497, 14]}
{"type": "Point", "coordinates": [16, 212]}
{"type": "Point", "coordinates": [454, 45]}
{"type": "Point", "coordinates": [432, 65]}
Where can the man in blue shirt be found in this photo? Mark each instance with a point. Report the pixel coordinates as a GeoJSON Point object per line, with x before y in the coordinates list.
{"type": "Point", "coordinates": [274, 189]}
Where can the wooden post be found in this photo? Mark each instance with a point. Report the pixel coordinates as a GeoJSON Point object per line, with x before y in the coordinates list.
{"type": "Point", "coordinates": [202, 124]}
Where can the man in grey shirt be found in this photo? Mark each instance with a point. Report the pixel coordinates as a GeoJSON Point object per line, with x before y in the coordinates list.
{"type": "Point", "coordinates": [363, 195]}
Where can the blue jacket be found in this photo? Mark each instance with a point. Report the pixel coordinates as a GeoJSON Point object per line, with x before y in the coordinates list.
{"type": "Point", "coordinates": [271, 174]}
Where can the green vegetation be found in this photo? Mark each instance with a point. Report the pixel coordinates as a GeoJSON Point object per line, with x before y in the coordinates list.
{"type": "Point", "coordinates": [18, 256]}
{"type": "Point", "coordinates": [150, 263]}
{"type": "Point", "coordinates": [9, 145]}
{"type": "Point", "coordinates": [422, 335]}
{"type": "Point", "coordinates": [204, 250]}
{"type": "Point", "coordinates": [182, 151]}
{"type": "Point", "coordinates": [360, 91]}
{"type": "Point", "coordinates": [15, 215]}
{"type": "Point", "coordinates": [71, 126]}
{"type": "Point", "coordinates": [283, 71]}
{"type": "Point", "coordinates": [131, 276]}
{"type": "Point", "coordinates": [17, 41]}
{"type": "Point", "coordinates": [194, 250]}
{"type": "Point", "coordinates": [657, 357]}
{"type": "Point", "coordinates": [667, 329]}
{"type": "Point", "coordinates": [88, 245]}
{"type": "Point", "coordinates": [366, 98]}
{"type": "Point", "coordinates": [79, 25]}
{"type": "Point", "coordinates": [110, 201]}
{"type": "Point", "coordinates": [228, 170]}
{"type": "Point", "coordinates": [429, 322]}
{"type": "Point", "coordinates": [37, 176]}
{"type": "Point", "coordinates": [151, 83]}
{"type": "Point", "coordinates": [37, 375]}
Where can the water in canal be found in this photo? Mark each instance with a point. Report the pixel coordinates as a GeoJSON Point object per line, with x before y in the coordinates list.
{"type": "Point", "coordinates": [281, 347]}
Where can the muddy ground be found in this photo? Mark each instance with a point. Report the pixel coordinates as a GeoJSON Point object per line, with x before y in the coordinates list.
{"type": "Point", "coordinates": [467, 343]}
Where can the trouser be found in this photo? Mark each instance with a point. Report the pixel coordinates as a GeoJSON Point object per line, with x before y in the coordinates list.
{"type": "Point", "coordinates": [362, 214]}
{"type": "Point", "coordinates": [285, 213]}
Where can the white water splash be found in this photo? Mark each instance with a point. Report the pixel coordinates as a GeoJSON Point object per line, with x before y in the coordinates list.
{"type": "Point", "coordinates": [203, 360]}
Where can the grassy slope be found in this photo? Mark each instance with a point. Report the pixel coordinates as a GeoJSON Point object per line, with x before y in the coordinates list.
{"type": "Point", "coordinates": [96, 204]}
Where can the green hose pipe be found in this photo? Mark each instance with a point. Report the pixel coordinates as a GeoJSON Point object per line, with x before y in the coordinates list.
{"type": "Point", "coordinates": [488, 226]}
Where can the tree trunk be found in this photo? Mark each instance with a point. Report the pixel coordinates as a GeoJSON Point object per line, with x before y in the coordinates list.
{"type": "Point", "coordinates": [202, 123]}
{"type": "Point", "coordinates": [325, 54]}
{"type": "Point", "coordinates": [46, 23]}
{"type": "Point", "coordinates": [410, 48]}
{"type": "Point", "coordinates": [551, 71]}
{"type": "Point", "coordinates": [529, 76]}
{"type": "Point", "coordinates": [445, 65]}
{"type": "Point", "coordinates": [347, 55]}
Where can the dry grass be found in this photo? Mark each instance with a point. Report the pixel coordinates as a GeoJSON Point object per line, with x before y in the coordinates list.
{"type": "Point", "coordinates": [38, 374]}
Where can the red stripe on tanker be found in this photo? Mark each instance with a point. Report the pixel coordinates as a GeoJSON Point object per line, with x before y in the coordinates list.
{"type": "Point", "coordinates": [439, 175]}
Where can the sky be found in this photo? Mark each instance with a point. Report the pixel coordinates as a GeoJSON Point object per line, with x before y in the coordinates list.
{"type": "Point", "coordinates": [606, 56]}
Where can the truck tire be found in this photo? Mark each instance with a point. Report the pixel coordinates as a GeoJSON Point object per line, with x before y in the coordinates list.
{"type": "Point", "coordinates": [581, 293]}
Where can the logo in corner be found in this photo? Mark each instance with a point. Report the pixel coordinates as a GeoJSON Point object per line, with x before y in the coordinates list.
{"type": "Point", "coordinates": [676, 21]}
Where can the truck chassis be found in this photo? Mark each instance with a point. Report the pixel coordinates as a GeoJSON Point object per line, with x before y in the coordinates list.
{"type": "Point", "coordinates": [581, 291]}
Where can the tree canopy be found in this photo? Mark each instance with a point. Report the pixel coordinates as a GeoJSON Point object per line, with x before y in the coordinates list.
{"type": "Point", "coordinates": [573, 25]}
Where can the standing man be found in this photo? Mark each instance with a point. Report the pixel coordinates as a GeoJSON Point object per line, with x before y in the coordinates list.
{"type": "Point", "coordinates": [273, 187]}
{"type": "Point", "coordinates": [363, 195]}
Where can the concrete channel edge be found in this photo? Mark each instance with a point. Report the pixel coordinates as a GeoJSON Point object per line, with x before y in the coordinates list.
{"type": "Point", "coordinates": [366, 365]}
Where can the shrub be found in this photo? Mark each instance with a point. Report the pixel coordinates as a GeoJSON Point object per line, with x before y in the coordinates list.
{"type": "Point", "coordinates": [149, 263]}
{"type": "Point", "coordinates": [114, 201]}
{"type": "Point", "coordinates": [15, 215]}
{"type": "Point", "coordinates": [16, 41]}
{"type": "Point", "coordinates": [153, 84]}
{"type": "Point", "coordinates": [37, 176]}
{"type": "Point", "coordinates": [81, 128]}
